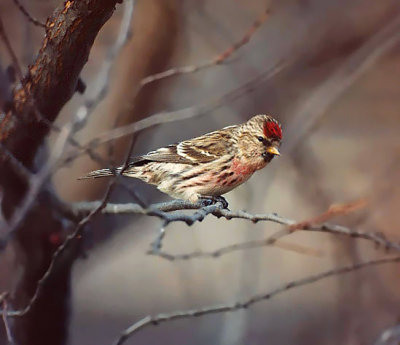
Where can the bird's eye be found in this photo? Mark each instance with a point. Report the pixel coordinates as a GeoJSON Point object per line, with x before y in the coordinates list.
{"type": "Point", "coordinates": [261, 139]}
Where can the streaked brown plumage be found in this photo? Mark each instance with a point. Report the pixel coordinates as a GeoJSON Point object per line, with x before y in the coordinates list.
{"type": "Point", "coordinates": [210, 165]}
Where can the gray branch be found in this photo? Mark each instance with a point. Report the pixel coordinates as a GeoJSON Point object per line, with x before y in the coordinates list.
{"type": "Point", "coordinates": [165, 211]}
{"type": "Point", "coordinates": [246, 303]}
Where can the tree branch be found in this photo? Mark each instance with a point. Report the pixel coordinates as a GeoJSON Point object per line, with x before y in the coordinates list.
{"type": "Point", "coordinates": [246, 303]}
{"type": "Point", "coordinates": [3, 301]}
{"type": "Point", "coordinates": [23, 10]}
{"type": "Point", "coordinates": [217, 60]}
{"type": "Point", "coordinates": [103, 80]}
{"type": "Point", "coordinates": [52, 79]}
{"type": "Point", "coordinates": [390, 336]}
{"type": "Point", "coordinates": [163, 211]}
{"type": "Point", "coordinates": [177, 115]}
{"type": "Point", "coordinates": [311, 112]}
{"type": "Point", "coordinates": [268, 242]}
{"type": "Point", "coordinates": [43, 285]}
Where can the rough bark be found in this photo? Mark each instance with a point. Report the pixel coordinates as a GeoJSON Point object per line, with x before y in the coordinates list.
{"type": "Point", "coordinates": [52, 79]}
{"type": "Point", "coordinates": [50, 82]}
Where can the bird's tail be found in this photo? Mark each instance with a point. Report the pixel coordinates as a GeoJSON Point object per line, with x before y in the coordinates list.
{"type": "Point", "coordinates": [100, 173]}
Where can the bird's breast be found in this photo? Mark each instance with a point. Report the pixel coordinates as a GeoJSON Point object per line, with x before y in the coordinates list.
{"type": "Point", "coordinates": [243, 169]}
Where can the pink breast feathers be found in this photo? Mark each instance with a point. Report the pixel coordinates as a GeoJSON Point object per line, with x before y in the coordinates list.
{"type": "Point", "coordinates": [241, 169]}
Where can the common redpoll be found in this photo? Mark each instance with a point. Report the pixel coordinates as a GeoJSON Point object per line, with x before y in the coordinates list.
{"type": "Point", "coordinates": [210, 165]}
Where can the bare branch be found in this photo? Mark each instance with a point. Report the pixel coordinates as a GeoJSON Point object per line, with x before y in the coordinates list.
{"type": "Point", "coordinates": [182, 114]}
{"type": "Point", "coordinates": [75, 235]}
{"type": "Point", "coordinates": [268, 242]}
{"type": "Point", "coordinates": [78, 230]}
{"type": "Point", "coordinates": [104, 75]}
{"type": "Point", "coordinates": [62, 139]}
{"type": "Point", "coordinates": [19, 167]}
{"type": "Point", "coordinates": [3, 301]}
{"type": "Point", "coordinates": [58, 252]}
{"type": "Point", "coordinates": [36, 181]}
{"type": "Point", "coordinates": [103, 79]}
{"type": "Point", "coordinates": [390, 336]}
{"type": "Point", "coordinates": [333, 211]}
{"type": "Point", "coordinates": [248, 302]}
{"type": "Point", "coordinates": [93, 155]}
{"type": "Point", "coordinates": [219, 59]}
{"type": "Point", "coordinates": [101, 84]}
{"type": "Point", "coordinates": [5, 90]}
{"type": "Point", "coordinates": [10, 50]}
{"type": "Point", "coordinates": [27, 15]}
{"type": "Point", "coordinates": [82, 208]}
{"type": "Point", "coordinates": [312, 111]}
{"type": "Point", "coordinates": [91, 209]}
{"type": "Point", "coordinates": [23, 98]}
{"type": "Point", "coordinates": [164, 210]}
{"type": "Point", "coordinates": [69, 37]}
{"type": "Point", "coordinates": [161, 210]}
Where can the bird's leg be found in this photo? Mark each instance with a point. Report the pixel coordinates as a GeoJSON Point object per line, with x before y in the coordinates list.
{"type": "Point", "coordinates": [214, 199]}
{"type": "Point", "coordinates": [222, 200]}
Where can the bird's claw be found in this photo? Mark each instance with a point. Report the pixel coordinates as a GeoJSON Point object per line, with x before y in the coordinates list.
{"type": "Point", "coordinates": [223, 201]}
{"type": "Point", "coordinates": [210, 200]}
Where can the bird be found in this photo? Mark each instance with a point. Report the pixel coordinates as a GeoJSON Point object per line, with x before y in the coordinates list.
{"type": "Point", "coordinates": [206, 167]}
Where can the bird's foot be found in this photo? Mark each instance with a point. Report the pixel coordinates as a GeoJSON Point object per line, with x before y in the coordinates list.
{"type": "Point", "coordinates": [210, 200]}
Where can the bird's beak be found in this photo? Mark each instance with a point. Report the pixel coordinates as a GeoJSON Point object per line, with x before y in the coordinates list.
{"type": "Point", "coordinates": [273, 151]}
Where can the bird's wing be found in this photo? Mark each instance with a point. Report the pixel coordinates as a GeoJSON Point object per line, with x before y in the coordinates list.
{"type": "Point", "coordinates": [204, 149]}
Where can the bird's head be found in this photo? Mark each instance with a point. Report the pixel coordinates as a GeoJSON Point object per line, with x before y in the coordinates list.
{"type": "Point", "coordinates": [259, 139]}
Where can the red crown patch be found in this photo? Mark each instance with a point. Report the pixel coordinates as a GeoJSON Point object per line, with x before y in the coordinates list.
{"type": "Point", "coordinates": [272, 130]}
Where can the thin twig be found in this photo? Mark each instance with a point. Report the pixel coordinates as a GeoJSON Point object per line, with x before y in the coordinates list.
{"type": "Point", "coordinates": [27, 15]}
{"type": "Point", "coordinates": [164, 211]}
{"type": "Point", "coordinates": [10, 50]}
{"type": "Point", "coordinates": [93, 155]}
{"type": "Point", "coordinates": [246, 303]}
{"type": "Point", "coordinates": [84, 111]}
{"type": "Point", "coordinates": [19, 168]}
{"type": "Point", "coordinates": [237, 247]}
{"type": "Point", "coordinates": [82, 208]}
{"type": "Point", "coordinates": [182, 114]}
{"type": "Point", "coordinates": [77, 232]}
{"type": "Point", "coordinates": [3, 301]}
{"type": "Point", "coordinates": [310, 114]}
{"type": "Point", "coordinates": [324, 227]}
{"type": "Point", "coordinates": [3, 222]}
{"type": "Point", "coordinates": [156, 245]}
{"type": "Point", "coordinates": [68, 44]}
{"type": "Point", "coordinates": [5, 91]}
{"type": "Point", "coordinates": [102, 85]}
{"type": "Point", "coordinates": [333, 211]}
{"type": "Point", "coordinates": [104, 75]}
{"type": "Point", "coordinates": [56, 255]}
{"type": "Point", "coordinates": [217, 60]}
{"type": "Point", "coordinates": [390, 336]}
{"type": "Point", "coordinates": [74, 235]}
{"type": "Point", "coordinates": [36, 181]}
{"type": "Point", "coordinates": [197, 216]}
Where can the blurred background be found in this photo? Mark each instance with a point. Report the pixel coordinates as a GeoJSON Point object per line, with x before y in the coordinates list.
{"type": "Point", "coordinates": [335, 89]}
